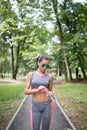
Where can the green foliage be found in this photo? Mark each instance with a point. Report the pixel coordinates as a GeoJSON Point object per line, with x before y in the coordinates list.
{"type": "Point", "coordinates": [20, 32]}
{"type": "Point", "coordinates": [24, 28]}
{"type": "Point", "coordinates": [72, 18]}
{"type": "Point", "coordinates": [75, 48]}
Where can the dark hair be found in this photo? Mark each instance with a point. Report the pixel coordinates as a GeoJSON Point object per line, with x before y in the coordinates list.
{"type": "Point", "coordinates": [40, 58]}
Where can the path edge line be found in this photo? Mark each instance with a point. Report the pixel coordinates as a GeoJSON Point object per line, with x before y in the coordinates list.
{"type": "Point", "coordinates": [15, 114]}
{"type": "Point", "coordinates": [72, 125]}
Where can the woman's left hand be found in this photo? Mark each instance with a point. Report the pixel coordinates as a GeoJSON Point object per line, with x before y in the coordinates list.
{"type": "Point", "coordinates": [50, 93]}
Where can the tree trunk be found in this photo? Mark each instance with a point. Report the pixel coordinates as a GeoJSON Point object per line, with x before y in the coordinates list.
{"type": "Point", "coordinates": [1, 73]}
{"type": "Point", "coordinates": [77, 73]}
{"type": "Point", "coordinates": [66, 65]}
{"type": "Point", "coordinates": [82, 66]}
{"type": "Point", "coordinates": [17, 61]}
{"type": "Point", "coordinates": [70, 71]}
{"type": "Point", "coordinates": [65, 72]}
{"type": "Point", "coordinates": [84, 74]}
{"type": "Point", "coordinates": [12, 58]}
{"type": "Point", "coordinates": [60, 71]}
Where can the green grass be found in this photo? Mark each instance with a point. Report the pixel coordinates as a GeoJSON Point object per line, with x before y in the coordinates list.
{"type": "Point", "coordinates": [73, 99]}
{"type": "Point", "coordinates": [10, 91]}
{"type": "Point", "coordinates": [73, 91]}
{"type": "Point", "coordinates": [11, 95]}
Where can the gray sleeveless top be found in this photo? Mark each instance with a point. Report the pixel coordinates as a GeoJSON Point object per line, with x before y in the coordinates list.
{"type": "Point", "coordinates": [38, 80]}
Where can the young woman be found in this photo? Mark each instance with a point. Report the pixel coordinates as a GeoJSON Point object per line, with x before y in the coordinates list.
{"type": "Point", "coordinates": [39, 84]}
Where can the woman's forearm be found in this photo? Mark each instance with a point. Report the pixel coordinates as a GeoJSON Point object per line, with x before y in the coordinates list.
{"type": "Point", "coordinates": [30, 91]}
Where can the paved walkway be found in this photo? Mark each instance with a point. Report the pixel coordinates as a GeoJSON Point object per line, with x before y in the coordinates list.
{"type": "Point", "coordinates": [20, 121]}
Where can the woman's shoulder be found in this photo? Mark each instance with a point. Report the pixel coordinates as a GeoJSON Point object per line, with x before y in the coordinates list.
{"type": "Point", "coordinates": [50, 76]}
{"type": "Point", "coordinates": [29, 75]}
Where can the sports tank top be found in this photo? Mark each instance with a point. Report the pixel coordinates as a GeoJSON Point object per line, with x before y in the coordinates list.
{"type": "Point", "coordinates": [38, 80]}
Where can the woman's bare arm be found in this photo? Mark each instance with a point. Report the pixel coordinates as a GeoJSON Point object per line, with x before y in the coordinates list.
{"type": "Point", "coordinates": [50, 83]}
{"type": "Point", "coordinates": [28, 90]}
{"type": "Point", "coordinates": [50, 92]}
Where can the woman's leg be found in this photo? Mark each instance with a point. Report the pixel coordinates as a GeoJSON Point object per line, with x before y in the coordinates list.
{"type": "Point", "coordinates": [46, 116]}
{"type": "Point", "coordinates": [35, 117]}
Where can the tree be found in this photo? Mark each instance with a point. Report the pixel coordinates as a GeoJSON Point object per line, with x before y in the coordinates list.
{"type": "Point", "coordinates": [69, 22]}
{"type": "Point", "coordinates": [20, 31]}
{"type": "Point", "coordinates": [25, 31]}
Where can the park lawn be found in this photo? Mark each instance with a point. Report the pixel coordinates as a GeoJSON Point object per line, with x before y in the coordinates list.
{"type": "Point", "coordinates": [11, 96]}
{"type": "Point", "coordinates": [73, 99]}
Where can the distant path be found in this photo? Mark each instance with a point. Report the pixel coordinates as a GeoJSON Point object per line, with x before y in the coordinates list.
{"type": "Point", "coordinates": [10, 81]}
{"type": "Point", "coordinates": [58, 80]}
{"type": "Point", "coordinates": [23, 80]}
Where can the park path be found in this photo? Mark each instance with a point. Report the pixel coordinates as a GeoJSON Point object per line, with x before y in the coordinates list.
{"type": "Point", "coordinates": [20, 121]}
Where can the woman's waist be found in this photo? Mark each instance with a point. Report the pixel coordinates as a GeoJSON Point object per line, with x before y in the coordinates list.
{"type": "Point", "coordinates": [42, 102]}
{"type": "Point", "coordinates": [40, 97]}
{"type": "Point", "coordinates": [37, 86]}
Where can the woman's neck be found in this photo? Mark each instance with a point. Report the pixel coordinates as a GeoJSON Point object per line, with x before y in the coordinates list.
{"type": "Point", "coordinates": [40, 72]}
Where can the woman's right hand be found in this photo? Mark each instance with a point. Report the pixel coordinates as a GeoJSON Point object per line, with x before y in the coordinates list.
{"type": "Point", "coordinates": [42, 89]}
{"type": "Point", "coordinates": [39, 89]}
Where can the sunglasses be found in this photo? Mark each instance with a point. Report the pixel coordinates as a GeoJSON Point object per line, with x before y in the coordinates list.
{"type": "Point", "coordinates": [44, 65]}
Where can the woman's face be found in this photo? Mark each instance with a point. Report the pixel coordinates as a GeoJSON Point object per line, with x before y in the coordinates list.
{"type": "Point", "coordinates": [43, 65]}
